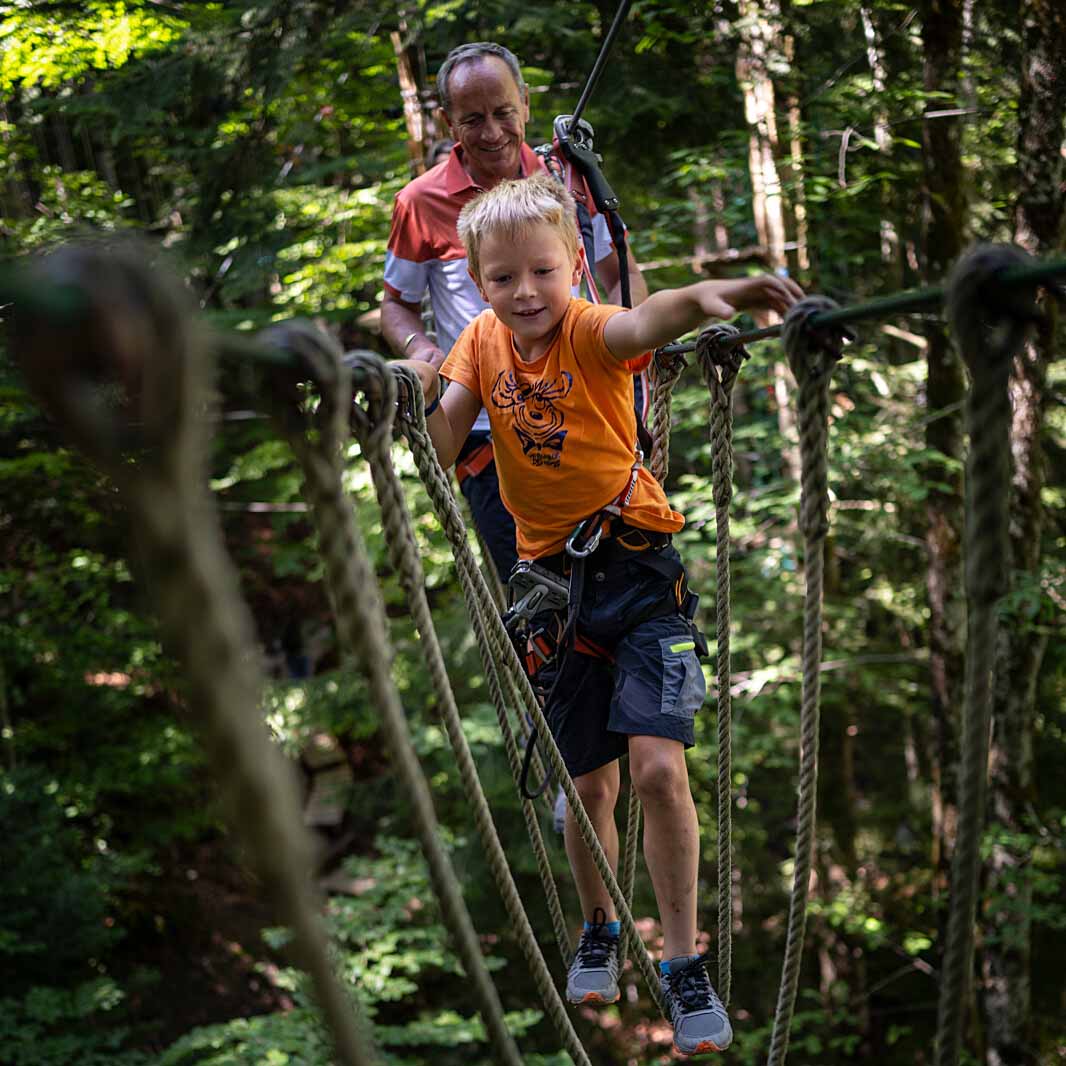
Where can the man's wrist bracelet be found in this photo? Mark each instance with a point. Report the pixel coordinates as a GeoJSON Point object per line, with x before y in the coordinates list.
{"type": "Point", "coordinates": [406, 342]}
{"type": "Point", "coordinates": [433, 406]}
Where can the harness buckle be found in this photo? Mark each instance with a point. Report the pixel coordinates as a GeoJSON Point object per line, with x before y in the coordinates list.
{"type": "Point", "coordinates": [533, 589]}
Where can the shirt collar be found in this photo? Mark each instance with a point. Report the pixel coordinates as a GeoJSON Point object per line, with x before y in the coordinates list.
{"type": "Point", "coordinates": [458, 181]}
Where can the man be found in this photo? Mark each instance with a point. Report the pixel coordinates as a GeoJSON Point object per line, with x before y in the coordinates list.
{"type": "Point", "coordinates": [485, 106]}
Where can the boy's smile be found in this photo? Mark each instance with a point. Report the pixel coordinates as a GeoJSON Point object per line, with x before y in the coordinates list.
{"type": "Point", "coordinates": [527, 280]}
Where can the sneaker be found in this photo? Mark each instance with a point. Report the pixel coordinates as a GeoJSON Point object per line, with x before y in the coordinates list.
{"type": "Point", "coordinates": [593, 975]}
{"type": "Point", "coordinates": [693, 1007]}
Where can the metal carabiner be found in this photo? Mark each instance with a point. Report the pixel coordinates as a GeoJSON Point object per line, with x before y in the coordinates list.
{"type": "Point", "coordinates": [590, 545]}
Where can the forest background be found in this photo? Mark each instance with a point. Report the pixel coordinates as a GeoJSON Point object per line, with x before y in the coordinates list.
{"type": "Point", "coordinates": [862, 146]}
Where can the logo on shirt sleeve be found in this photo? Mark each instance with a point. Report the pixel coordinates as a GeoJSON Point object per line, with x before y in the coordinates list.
{"type": "Point", "coordinates": [538, 423]}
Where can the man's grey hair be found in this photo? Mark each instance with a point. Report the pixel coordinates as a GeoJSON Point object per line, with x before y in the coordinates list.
{"type": "Point", "coordinates": [466, 53]}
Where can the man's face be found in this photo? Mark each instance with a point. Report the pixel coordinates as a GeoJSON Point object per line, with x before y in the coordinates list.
{"type": "Point", "coordinates": [488, 118]}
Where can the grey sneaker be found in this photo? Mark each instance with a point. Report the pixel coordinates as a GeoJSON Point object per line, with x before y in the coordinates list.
{"type": "Point", "coordinates": [693, 1007]}
{"type": "Point", "coordinates": [593, 975]}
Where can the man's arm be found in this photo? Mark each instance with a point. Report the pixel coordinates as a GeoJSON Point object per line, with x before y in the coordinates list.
{"type": "Point", "coordinates": [669, 313]}
{"type": "Point", "coordinates": [610, 279]}
{"type": "Point", "coordinates": [401, 321]}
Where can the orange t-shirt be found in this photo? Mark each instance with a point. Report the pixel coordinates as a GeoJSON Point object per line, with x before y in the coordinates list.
{"type": "Point", "coordinates": [563, 427]}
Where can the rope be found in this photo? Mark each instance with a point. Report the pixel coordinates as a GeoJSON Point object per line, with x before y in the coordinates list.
{"type": "Point", "coordinates": [404, 556]}
{"type": "Point", "coordinates": [667, 371]}
{"type": "Point", "coordinates": [812, 356]}
{"type": "Point", "coordinates": [990, 325]}
{"type": "Point", "coordinates": [318, 442]}
{"type": "Point", "coordinates": [1027, 275]}
{"type": "Point", "coordinates": [500, 647]}
{"type": "Point", "coordinates": [719, 366]}
{"type": "Point", "coordinates": [130, 381]}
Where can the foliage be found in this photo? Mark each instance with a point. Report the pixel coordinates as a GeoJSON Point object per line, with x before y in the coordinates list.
{"type": "Point", "coordinates": [260, 143]}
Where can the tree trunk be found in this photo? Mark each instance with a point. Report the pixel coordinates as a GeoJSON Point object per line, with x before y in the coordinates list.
{"type": "Point", "coordinates": [943, 224]}
{"type": "Point", "coordinates": [883, 138]}
{"type": "Point", "coordinates": [1006, 958]}
{"type": "Point", "coordinates": [410, 66]}
{"type": "Point", "coordinates": [759, 46]}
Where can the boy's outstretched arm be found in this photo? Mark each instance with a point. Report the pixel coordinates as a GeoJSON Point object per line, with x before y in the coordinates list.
{"type": "Point", "coordinates": [449, 425]}
{"type": "Point", "coordinates": [665, 315]}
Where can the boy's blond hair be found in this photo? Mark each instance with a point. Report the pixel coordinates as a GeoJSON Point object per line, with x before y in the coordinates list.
{"type": "Point", "coordinates": [513, 208]}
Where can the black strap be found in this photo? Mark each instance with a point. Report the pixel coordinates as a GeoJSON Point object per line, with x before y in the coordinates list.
{"type": "Point", "coordinates": [566, 641]}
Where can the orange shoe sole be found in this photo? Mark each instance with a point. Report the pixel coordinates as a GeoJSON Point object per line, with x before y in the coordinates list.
{"type": "Point", "coordinates": [595, 997]}
{"type": "Point", "coordinates": [706, 1045]}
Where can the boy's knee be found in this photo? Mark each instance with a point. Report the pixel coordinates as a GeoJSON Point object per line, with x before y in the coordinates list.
{"type": "Point", "coordinates": [598, 791]}
{"type": "Point", "coordinates": [660, 776]}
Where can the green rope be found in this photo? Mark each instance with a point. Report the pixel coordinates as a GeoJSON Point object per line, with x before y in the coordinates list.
{"type": "Point", "coordinates": [318, 442]}
{"type": "Point", "coordinates": [132, 383]}
{"type": "Point", "coordinates": [990, 327]}
{"type": "Point", "coordinates": [811, 356]}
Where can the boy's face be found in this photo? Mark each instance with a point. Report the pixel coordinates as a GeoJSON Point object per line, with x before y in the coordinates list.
{"type": "Point", "coordinates": [527, 283]}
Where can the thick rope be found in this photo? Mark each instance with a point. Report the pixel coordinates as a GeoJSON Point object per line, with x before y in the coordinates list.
{"type": "Point", "coordinates": [667, 370]}
{"type": "Point", "coordinates": [318, 443]}
{"type": "Point", "coordinates": [130, 381]}
{"type": "Point", "coordinates": [990, 325]}
{"type": "Point", "coordinates": [720, 365]}
{"type": "Point", "coordinates": [812, 357]}
{"type": "Point", "coordinates": [436, 484]}
{"type": "Point", "coordinates": [403, 552]}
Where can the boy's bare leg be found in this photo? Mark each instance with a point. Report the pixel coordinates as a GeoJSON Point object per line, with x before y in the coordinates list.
{"type": "Point", "coordinates": [599, 793]}
{"type": "Point", "coordinates": [671, 836]}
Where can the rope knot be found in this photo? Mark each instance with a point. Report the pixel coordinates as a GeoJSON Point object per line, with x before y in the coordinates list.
{"type": "Point", "coordinates": [714, 345]}
{"type": "Point", "coordinates": [318, 359]}
{"type": "Point", "coordinates": [988, 318]}
{"type": "Point", "coordinates": [117, 369]}
{"type": "Point", "coordinates": [812, 351]}
{"type": "Point", "coordinates": [377, 380]}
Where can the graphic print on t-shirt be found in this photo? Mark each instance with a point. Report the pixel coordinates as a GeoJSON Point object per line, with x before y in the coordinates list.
{"type": "Point", "coordinates": [538, 423]}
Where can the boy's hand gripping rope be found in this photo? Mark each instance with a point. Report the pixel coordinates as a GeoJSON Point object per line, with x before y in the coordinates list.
{"type": "Point", "coordinates": [990, 323]}
{"type": "Point", "coordinates": [128, 376]}
{"type": "Point", "coordinates": [812, 355]}
{"type": "Point", "coordinates": [318, 439]}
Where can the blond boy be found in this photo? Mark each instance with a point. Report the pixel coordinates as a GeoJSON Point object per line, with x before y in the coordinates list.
{"type": "Point", "coordinates": [554, 373]}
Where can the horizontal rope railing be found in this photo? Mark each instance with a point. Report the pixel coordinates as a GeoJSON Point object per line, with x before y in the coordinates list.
{"type": "Point", "coordinates": [912, 300]}
{"type": "Point", "coordinates": [68, 303]}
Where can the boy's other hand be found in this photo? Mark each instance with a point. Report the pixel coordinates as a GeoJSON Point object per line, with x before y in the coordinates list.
{"type": "Point", "coordinates": [427, 375]}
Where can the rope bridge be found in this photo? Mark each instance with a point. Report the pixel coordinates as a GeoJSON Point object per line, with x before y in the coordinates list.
{"type": "Point", "coordinates": [112, 348]}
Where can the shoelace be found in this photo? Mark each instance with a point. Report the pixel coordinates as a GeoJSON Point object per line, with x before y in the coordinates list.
{"type": "Point", "coordinates": [596, 944]}
{"type": "Point", "coordinates": [692, 987]}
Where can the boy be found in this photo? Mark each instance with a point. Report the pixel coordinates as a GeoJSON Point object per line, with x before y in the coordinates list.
{"type": "Point", "coordinates": [554, 373]}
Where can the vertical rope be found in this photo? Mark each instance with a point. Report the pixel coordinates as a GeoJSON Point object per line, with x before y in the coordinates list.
{"type": "Point", "coordinates": [360, 618]}
{"type": "Point", "coordinates": [130, 381]}
{"type": "Point", "coordinates": [719, 365]}
{"type": "Point", "coordinates": [812, 357]}
{"type": "Point", "coordinates": [990, 327]}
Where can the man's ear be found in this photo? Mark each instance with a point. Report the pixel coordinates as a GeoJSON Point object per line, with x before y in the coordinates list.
{"type": "Point", "coordinates": [442, 116]}
{"type": "Point", "coordinates": [526, 105]}
{"type": "Point", "coordinates": [579, 265]}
